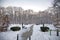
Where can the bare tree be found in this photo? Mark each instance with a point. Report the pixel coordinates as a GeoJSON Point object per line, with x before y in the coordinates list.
{"type": "Point", "coordinates": [56, 3]}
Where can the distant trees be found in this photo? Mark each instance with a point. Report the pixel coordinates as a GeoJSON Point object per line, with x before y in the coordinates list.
{"type": "Point", "coordinates": [56, 6]}
{"type": "Point", "coordinates": [17, 15]}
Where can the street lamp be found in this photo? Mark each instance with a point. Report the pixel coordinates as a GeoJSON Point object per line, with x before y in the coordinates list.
{"type": "Point", "coordinates": [22, 20]}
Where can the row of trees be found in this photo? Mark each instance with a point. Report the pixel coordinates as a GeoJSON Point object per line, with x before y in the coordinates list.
{"type": "Point", "coordinates": [56, 6]}
{"type": "Point", "coordinates": [18, 15]}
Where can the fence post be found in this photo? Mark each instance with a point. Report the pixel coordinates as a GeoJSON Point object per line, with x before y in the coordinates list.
{"type": "Point", "coordinates": [17, 36]}
{"type": "Point", "coordinates": [57, 32]}
{"type": "Point", "coordinates": [29, 37]}
{"type": "Point", "coordinates": [50, 32]}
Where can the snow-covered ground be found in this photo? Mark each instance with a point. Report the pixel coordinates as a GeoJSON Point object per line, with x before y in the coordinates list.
{"type": "Point", "coordinates": [36, 35]}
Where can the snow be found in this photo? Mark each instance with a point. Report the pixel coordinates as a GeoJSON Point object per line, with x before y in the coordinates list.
{"type": "Point", "coordinates": [8, 36]}
{"type": "Point", "coordinates": [36, 35]}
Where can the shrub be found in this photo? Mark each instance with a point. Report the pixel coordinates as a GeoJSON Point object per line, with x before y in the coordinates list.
{"type": "Point", "coordinates": [44, 29]}
{"type": "Point", "coordinates": [16, 28]}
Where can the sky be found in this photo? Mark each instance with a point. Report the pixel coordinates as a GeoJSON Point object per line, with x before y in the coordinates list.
{"type": "Point", "coordinates": [36, 5]}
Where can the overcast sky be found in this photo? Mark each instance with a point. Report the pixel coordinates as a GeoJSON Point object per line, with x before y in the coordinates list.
{"type": "Point", "coordinates": [35, 5]}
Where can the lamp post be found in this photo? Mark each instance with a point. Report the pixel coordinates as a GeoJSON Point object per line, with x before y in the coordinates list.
{"type": "Point", "coordinates": [22, 19]}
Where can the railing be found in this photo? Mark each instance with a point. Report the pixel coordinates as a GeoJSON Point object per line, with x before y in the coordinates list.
{"type": "Point", "coordinates": [57, 32]}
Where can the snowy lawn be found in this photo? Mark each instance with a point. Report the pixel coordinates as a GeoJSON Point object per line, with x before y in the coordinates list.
{"type": "Point", "coordinates": [37, 33]}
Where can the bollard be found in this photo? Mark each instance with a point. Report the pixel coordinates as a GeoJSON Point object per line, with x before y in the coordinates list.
{"type": "Point", "coordinates": [57, 32]}
{"type": "Point", "coordinates": [17, 36]}
{"type": "Point", "coordinates": [29, 37]}
{"type": "Point", "coordinates": [50, 32]}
